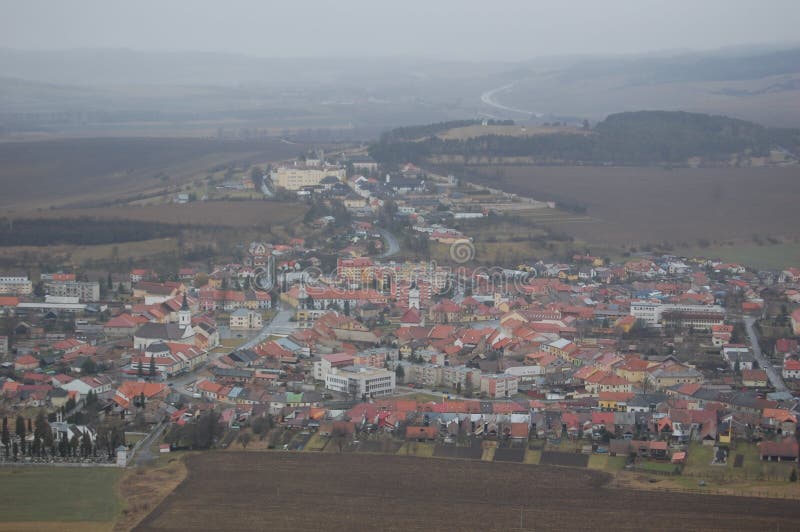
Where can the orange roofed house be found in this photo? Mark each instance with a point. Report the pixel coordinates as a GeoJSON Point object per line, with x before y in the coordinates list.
{"type": "Point", "coordinates": [129, 395]}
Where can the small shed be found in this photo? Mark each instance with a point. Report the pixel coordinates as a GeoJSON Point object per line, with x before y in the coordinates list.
{"type": "Point", "coordinates": [122, 456]}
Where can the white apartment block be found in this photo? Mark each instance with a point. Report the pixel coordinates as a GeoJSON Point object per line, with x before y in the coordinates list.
{"type": "Point", "coordinates": [427, 375]}
{"type": "Point", "coordinates": [700, 316]}
{"type": "Point", "coordinates": [297, 177]}
{"type": "Point", "coordinates": [15, 285]}
{"type": "Point", "coordinates": [499, 386]}
{"type": "Point", "coordinates": [359, 381]}
{"type": "Point", "coordinates": [452, 376]}
{"type": "Point", "coordinates": [84, 291]}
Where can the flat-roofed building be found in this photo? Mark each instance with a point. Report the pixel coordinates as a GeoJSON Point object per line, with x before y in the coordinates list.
{"type": "Point", "coordinates": [84, 291]}
{"type": "Point", "coordinates": [297, 177]}
{"type": "Point", "coordinates": [361, 381]}
{"type": "Point", "coordinates": [15, 285]}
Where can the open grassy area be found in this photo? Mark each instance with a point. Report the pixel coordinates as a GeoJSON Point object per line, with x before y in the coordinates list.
{"type": "Point", "coordinates": [659, 467]}
{"type": "Point", "coordinates": [777, 256]}
{"type": "Point", "coordinates": [316, 442]}
{"type": "Point", "coordinates": [698, 465]}
{"type": "Point", "coordinates": [478, 130]}
{"type": "Point", "coordinates": [605, 462]}
{"type": "Point", "coordinates": [699, 459]}
{"type": "Point", "coordinates": [418, 449]}
{"type": "Point", "coordinates": [81, 254]}
{"type": "Point", "coordinates": [133, 437]}
{"type": "Point", "coordinates": [142, 489]}
{"type": "Point", "coordinates": [59, 494]}
{"type": "Point", "coordinates": [231, 342]}
{"type": "Point", "coordinates": [533, 457]}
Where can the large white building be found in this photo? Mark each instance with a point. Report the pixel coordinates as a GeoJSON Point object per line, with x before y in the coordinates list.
{"type": "Point", "coordinates": [297, 177]}
{"type": "Point", "coordinates": [656, 314]}
{"type": "Point", "coordinates": [360, 381]}
{"type": "Point", "coordinates": [84, 291]}
{"type": "Point", "coordinates": [15, 285]}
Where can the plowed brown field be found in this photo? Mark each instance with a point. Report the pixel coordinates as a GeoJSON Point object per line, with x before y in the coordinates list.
{"type": "Point", "coordinates": [342, 492]}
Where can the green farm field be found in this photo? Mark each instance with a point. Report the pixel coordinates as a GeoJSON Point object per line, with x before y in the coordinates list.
{"type": "Point", "coordinates": [75, 498]}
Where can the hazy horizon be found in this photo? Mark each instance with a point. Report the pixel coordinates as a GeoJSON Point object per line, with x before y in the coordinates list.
{"type": "Point", "coordinates": [466, 30]}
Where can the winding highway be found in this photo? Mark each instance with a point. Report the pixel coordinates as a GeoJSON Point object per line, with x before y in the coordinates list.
{"type": "Point", "coordinates": [489, 98]}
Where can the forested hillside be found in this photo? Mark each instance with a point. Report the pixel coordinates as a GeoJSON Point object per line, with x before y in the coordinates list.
{"type": "Point", "coordinates": [642, 137]}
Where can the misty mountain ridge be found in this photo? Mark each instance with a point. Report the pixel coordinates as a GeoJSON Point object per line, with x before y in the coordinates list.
{"type": "Point", "coordinates": [103, 66]}
{"type": "Point", "coordinates": [198, 93]}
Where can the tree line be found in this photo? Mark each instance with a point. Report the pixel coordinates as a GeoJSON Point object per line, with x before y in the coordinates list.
{"type": "Point", "coordinates": [642, 137]}
{"type": "Point", "coordinates": [80, 231]}
{"type": "Point", "coordinates": [47, 444]}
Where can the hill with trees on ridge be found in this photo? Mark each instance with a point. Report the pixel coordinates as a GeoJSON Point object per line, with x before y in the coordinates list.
{"type": "Point", "coordinates": [630, 138]}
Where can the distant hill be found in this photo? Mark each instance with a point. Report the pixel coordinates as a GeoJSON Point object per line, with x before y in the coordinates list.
{"type": "Point", "coordinates": [143, 93]}
{"type": "Point", "coordinates": [690, 67]}
{"type": "Point", "coordinates": [417, 132]}
{"type": "Point", "coordinates": [642, 137]}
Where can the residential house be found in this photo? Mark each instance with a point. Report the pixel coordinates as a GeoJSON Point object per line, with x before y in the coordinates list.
{"type": "Point", "coordinates": [245, 319]}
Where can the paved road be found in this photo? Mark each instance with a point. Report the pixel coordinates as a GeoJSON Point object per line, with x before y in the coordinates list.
{"type": "Point", "coordinates": [178, 384]}
{"type": "Point", "coordinates": [488, 98]}
{"type": "Point", "coordinates": [774, 375]}
{"type": "Point", "coordinates": [143, 454]}
{"type": "Point", "coordinates": [393, 246]}
{"type": "Point", "coordinates": [280, 325]}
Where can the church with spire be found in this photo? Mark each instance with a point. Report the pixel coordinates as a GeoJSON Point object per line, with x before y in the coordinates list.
{"type": "Point", "coordinates": [182, 332]}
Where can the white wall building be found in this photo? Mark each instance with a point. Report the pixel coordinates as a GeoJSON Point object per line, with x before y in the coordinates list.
{"type": "Point", "coordinates": [299, 176]}
{"type": "Point", "coordinates": [84, 291]}
{"type": "Point", "coordinates": [15, 285]}
{"type": "Point", "coordinates": [359, 381]}
{"type": "Point", "coordinates": [652, 312]}
{"type": "Point", "coordinates": [245, 319]}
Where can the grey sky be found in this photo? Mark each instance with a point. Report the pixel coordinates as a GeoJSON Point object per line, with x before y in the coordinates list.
{"type": "Point", "coordinates": [461, 29]}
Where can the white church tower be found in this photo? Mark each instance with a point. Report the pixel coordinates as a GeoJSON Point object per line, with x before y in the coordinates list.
{"type": "Point", "coordinates": [413, 296]}
{"type": "Point", "coordinates": [184, 315]}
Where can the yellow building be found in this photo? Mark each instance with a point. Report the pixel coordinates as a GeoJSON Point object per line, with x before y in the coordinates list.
{"type": "Point", "coordinates": [299, 176]}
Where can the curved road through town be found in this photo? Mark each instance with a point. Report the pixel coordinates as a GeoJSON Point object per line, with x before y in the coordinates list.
{"type": "Point", "coordinates": [393, 246]}
{"type": "Point", "coordinates": [280, 325]}
{"type": "Point", "coordinates": [774, 375]}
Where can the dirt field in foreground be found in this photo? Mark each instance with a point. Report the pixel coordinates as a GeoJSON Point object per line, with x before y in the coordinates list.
{"type": "Point", "coordinates": [294, 491]}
